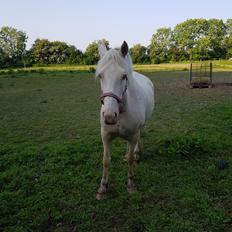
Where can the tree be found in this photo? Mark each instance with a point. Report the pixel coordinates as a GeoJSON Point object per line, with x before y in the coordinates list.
{"type": "Point", "coordinates": [2, 58]}
{"type": "Point", "coordinates": [160, 46]}
{"type": "Point", "coordinates": [187, 35]}
{"type": "Point", "coordinates": [75, 55]}
{"type": "Point", "coordinates": [228, 39]}
{"type": "Point", "coordinates": [139, 54]}
{"type": "Point", "coordinates": [45, 52]}
{"type": "Point", "coordinates": [216, 34]}
{"type": "Point", "coordinates": [58, 52]}
{"type": "Point", "coordinates": [12, 45]}
{"type": "Point", "coordinates": [200, 39]}
{"type": "Point", "coordinates": [91, 55]}
{"type": "Point", "coordinates": [40, 51]}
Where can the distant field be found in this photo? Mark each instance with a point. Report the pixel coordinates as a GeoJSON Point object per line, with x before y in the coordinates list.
{"type": "Point", "coordinates": [51, 154]}
{"type": "Point", "coordinates": [217, 66]}
{"type": "Point", "coordinates": [223, 65]}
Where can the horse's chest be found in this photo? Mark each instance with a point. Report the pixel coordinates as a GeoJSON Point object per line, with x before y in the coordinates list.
{"type": "Point", "coordinates": [121, 130]}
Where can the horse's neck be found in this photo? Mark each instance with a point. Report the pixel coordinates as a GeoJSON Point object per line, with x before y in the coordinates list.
{"type": "Point", "coordinates": [133, 86]}
{"type": "Point", "coordinates": [132, 90]}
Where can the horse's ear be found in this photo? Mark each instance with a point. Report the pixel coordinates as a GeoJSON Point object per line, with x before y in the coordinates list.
{"type": "Point", "coordinates": [101, 48]}
{"type": "Point", "coordinates": [124, 49]}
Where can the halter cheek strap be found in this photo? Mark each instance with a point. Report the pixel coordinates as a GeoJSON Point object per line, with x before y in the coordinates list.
{"type": "Point", "coordinates": [111, 94]}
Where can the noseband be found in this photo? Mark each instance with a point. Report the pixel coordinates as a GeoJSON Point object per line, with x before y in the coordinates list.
{"type": "Point", "coordinates": [116, 97]}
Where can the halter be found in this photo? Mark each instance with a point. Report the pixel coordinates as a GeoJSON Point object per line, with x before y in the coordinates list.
{"type": "Point", "coordinates": [116, 97]}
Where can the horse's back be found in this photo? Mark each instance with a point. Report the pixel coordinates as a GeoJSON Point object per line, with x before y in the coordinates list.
{"type": "Point", "coordinates": [147, 92]}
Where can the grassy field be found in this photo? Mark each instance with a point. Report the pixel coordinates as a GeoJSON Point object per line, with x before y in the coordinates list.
{"type": "Point", "coordinates": [51, 152]}
{"type": "Point", "coordinates": [218, 65]}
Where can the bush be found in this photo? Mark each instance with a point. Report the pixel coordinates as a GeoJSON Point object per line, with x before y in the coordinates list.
{"type": "Point", "coordinates": [92, 69]}
{"type": "Point", "coordinates": [41, 71]}
{"type": "Point", "coordinates": [183, 147]}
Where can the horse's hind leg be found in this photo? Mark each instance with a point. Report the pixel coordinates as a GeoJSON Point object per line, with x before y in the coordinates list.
{"type": "Point", "coordinates": [101, 193]}
{"type": "Point", "coordinates": [132, 145]}
{"type": "Point", "coordinates": [137, 150]}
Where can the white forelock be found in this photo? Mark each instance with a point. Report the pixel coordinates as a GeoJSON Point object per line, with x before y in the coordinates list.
{"type": "Point", "coordinates": [114, 56]}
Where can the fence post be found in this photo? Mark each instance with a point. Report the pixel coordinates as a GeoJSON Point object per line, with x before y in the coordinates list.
{"type": "Point", "coordinates": [211, 73]}
{"type": "Point", "coordinates": [191, 72]}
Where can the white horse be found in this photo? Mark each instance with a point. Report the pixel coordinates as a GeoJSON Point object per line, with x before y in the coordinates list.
{"type": "Point", "coordinates": [127, 102]}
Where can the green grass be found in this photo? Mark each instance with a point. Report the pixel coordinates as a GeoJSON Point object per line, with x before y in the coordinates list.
{"type": "Point", "coordinates": [51, 152]}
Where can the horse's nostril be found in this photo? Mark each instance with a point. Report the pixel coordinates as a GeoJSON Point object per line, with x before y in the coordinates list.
{"type": "Point", "coordinates": [115, 114]}
{"type": "Point", "coordinates": [103, 114]}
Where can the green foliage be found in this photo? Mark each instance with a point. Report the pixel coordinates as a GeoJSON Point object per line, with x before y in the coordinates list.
{"type": "Point", "coordinates": [91, 55]}
{"type": "Point", "coordinates": [189, 35]}
{"type": "Point", "coordinates": [193, 39]}
{"type": "Point", "coordinates": [2, 58]}
{"type": "Point", "coordinates": [58, 52]}
{"type": "Point", "coordinates": [229, 26]}
{"type": "Point", "coordinates": [40, 51]}
{"type": "Point", "coordinates": [216, 33]}
{"type": "Point", "coordinates": [75, 55]}
{"type": "Point", "coordinates": [12, 46]}
{"type": "Point", "coordinates": [161, 45]}
{"type": "Point", "coordinates": [45, 52]}
{"type": "Point", "coordinates": [183, 147]}
{"type": "Point", "coordinates": [228, 39]}
{"type": "Point", "coordinates": [139, 54]}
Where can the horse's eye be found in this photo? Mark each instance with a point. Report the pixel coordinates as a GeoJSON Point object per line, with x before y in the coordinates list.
{"type": "Point", "coordinates": [99, 76]}
{"type": "Point", "coordinates": [124, 77]}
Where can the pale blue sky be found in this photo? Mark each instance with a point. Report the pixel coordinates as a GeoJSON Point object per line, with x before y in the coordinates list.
{"type": "Point", "coordinates": [82, 21]}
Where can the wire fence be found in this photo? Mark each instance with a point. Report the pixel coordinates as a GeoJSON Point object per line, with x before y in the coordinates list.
{"type": "Point", "coordinates": [201, 74]}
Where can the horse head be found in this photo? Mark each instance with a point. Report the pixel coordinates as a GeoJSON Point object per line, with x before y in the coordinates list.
{"type": "Point", "coordinates": [113, 70]}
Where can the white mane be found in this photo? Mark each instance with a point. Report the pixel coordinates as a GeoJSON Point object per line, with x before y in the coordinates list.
{"type": "Point", "coordinates": [114, 56]}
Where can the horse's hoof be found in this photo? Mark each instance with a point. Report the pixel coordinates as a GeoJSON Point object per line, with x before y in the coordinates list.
{"type": "Point", "coordinates": [136, 161]}
{"type": "Point", "coordinates": [100, 196]}
{"type": "Point", "coordinates": [131, 189]}
{"type": "Point", "coordinates": [125, 158]}
{"type": "Point", "coordinates": [101, 193]}
{"type": "Point", "coordinates": [136, 156]}
{"type": "Point", "coordinates": [131, 186]}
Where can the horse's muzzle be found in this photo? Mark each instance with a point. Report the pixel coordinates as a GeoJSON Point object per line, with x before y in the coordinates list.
{"type": "Point", "coordinates": [110, 119]}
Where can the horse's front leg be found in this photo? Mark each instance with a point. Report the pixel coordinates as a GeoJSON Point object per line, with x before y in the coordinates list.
{"type": "Point", "coordinates": [101, 193]}
{"type": "Point", "coordinates": [130, 158]}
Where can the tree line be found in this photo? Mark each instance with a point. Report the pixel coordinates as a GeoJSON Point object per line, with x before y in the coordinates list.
{"type": "Point", "coordinates": [193, 39]}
